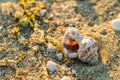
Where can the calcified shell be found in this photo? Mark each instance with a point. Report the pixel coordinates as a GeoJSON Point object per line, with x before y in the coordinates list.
{"type": "Point", "coordinates": [83, 47]}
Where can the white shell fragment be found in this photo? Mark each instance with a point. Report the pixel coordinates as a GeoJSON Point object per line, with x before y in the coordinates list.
{"type": "Point", "coordinates": [116, 24]}
{"type": "Point", "coordinates": [51, 66]}
{"type": "Point", "coordinates": [78, 46]}
{"type": "Point", "coordinates": [65, 78]}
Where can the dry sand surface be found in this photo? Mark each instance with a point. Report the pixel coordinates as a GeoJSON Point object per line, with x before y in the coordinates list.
{"type": "Point", "coordinates": [31, 34]}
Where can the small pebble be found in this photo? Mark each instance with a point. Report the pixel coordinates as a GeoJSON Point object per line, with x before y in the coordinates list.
{"type": "Point", "coordinates": [51, 66]}
{"type": "Point", "coordinates": [116, 24]}
{"type": "Point", "coordinates": [73, 71]}
{"type": "Point", "coordinates": [22, 38]}
{"type": "Point", "coordinates": [65, 78]}
{"type": "Point", "coordinates": [59, 55]}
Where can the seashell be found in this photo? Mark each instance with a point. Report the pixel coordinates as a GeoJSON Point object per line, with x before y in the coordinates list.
{"type": "Point", "coordinates": [88, 52]}
{"type": "Point", "coordinates": [71, 42]}
{"type": "Point", "coordinates": [116, 24]}
{"type": "Point", "coordinates": [78, 46]}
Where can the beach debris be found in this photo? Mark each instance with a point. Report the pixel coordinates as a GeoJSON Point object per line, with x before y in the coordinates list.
{"type": "Point", "coordinates": [116, 24]}
{"type": "Point", "coordinates": [65, 78]}
{"type": "Point", "coordinates": [51, 66]}
{"type": "Point", "coordinates": [78, 46]}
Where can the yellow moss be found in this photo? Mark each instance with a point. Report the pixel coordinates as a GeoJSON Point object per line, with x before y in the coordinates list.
{"type": "Point", "coordinates": [25, 3]}
{"type": "Point", "coordinates": [18, 14]}
{"type": "Point", "coordinates": [30, 10]}
{"type": "Point", "coordinates": [15, 29]}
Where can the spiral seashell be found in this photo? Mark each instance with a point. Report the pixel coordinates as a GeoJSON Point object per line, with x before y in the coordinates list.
{"type": "Point", "coordinates": [88, 52]}
{"type": "Point", "coordinates": [78, 46]}
{"type": "Point", "coordinates": [72, 42]}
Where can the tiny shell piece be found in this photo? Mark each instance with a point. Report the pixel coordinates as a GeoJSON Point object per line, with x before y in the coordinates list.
{"type": "Point", "coordinates": [116, 24]}
{"type": "Point", "coordinates": [51, 66]}
{"type": "Point", "coordinates": [76, 45]}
